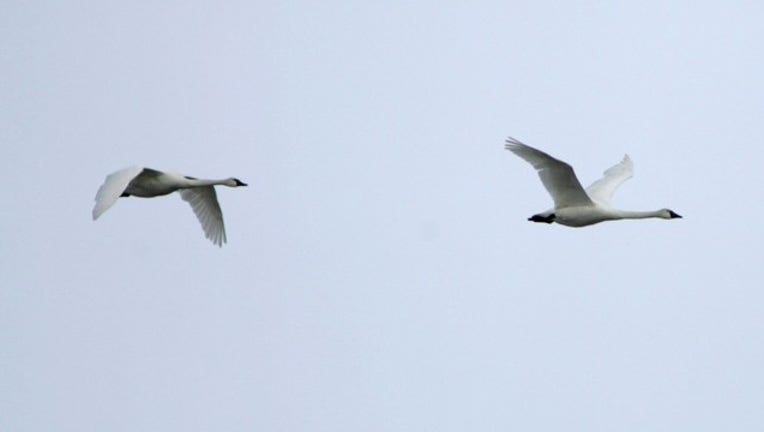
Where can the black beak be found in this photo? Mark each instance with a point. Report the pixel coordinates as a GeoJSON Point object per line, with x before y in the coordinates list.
{"type": "Point", "coordinates": [240, 183]}
{"type": "Point", "coordinates": [674, 215]}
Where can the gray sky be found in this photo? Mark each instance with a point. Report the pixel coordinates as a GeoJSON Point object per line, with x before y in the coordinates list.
{"type": "Point", "coordinates": [380, 274]}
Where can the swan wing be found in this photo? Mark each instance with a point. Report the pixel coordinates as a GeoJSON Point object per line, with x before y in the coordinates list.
{"type": "Point", "coordinates": [558, 177]}
{"type": "Point", "coordinates": [204, 203]}
{"type": "Point", "coordinates": [602, 190]}
{"type": "Point", "coordinates": [112, 188]}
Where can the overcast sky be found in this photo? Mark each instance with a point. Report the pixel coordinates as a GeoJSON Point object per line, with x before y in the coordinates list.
{"type": "Point", "coordinates": [380, 273]}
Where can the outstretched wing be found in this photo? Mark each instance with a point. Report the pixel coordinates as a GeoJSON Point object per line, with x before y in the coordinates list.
{"type": "Point", "coordinates": [557, 176]}
{"type": "Point", "coordinates": [111, 189]}
{"type": "Point", "coordinates": [602, 190]}
{"type": "Point", "coordinates": [204, 203]}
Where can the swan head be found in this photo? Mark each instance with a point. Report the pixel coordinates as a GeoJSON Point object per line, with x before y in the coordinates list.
{"type": "Point", "coordinates": [669, 214]}
{"type": "Point", "coordinates": [542, 217]}
{"type": "Point", "coordinates": [234, 182]}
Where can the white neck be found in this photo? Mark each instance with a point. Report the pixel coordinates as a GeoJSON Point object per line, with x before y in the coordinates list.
{"type": "Point", "coordinates": [203, 182]}
{"type": "Point", "coordinates": [628, 214]}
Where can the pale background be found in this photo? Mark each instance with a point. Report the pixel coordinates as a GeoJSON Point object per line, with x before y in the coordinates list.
{"type": "Point", "coordinates": [380, 274]}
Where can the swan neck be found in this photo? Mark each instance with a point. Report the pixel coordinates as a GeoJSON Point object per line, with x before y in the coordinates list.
{"type": "Point", "coordinates": [629, 214]}
{"type": "Point", "coordinates": [204, 182]}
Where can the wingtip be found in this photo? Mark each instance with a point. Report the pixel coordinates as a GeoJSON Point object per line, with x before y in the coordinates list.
{"type": "Point", "coordinates": [512, 144]}
{"type": "Point", "coordinates": [628, 162]}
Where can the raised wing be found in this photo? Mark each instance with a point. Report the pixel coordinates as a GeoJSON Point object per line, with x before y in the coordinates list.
{"type": "Point", "coordinates": [204, 202]}
{"type": "Point", "coordinates": [602, 190]}
{"type": "Point", "coordinates": [557, 176]}
{"type": "Point", "coordinates": [111, 189]}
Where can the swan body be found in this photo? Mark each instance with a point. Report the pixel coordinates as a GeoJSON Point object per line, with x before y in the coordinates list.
{"type": "Point", "coordinates": [575, 206]}
{"type": "Point", "coordinates": [148, 183]}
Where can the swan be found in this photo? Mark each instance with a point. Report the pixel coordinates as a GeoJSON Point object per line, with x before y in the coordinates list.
{"type": "Point", "coordinates": [147, 183]}
{"type": "Point", "coordinates": [575, 206]}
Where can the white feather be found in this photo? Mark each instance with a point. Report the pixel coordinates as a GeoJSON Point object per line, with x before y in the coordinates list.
{"type": "Point", "coordinates": [574, 206]}
{"type": "Point", "coordinates": [147, 183]}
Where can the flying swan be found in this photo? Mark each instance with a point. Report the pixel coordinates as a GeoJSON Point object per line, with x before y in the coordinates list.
{"type": "Point", "coordinates": [575, 206]}
{"type": "Point", "coordinates": [147, 183]}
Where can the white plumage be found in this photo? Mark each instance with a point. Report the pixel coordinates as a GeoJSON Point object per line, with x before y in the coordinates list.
{"type": "Point", "coordinates": [573, 205]}
{"type": "Point", "coordinates": [147, 183]}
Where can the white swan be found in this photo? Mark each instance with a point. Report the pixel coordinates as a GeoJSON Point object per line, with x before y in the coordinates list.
{"type": "Point", "coordinates": [574, 206]}
{"type": "Point", "coordinates": [146, 183]}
